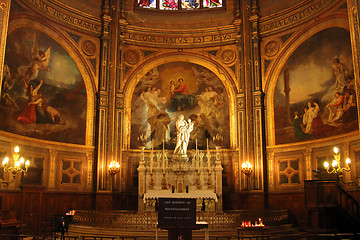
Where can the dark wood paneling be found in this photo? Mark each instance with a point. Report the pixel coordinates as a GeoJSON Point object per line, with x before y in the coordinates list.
{"type": "Point", "coordinates": [294, 202]}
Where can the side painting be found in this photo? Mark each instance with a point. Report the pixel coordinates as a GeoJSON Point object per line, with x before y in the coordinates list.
{"type": "Point", "coordinates": [43, 93]}
{"type": "Point", "coordinates": [314, 95]}
{"type": "Point", "coordinates": [174, 89]}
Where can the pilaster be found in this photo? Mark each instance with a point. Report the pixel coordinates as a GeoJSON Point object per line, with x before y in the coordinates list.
{"type": "Point", "coordinates": [4, 19]}
{"type": "Point", "coordinates": [308, 167]}
{"type": "Point", "coordinates": [52, 168]}
{"type": "Point", "coordinates": [102, 101]}
{"type": "Point", "coordinates": [354, 24]}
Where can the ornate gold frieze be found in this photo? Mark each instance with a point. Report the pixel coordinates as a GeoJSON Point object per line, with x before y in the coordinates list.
{"type": "Point", "coordinates": [64, 14]}
{"type": "Point", "coordinates": [180, 39]}
{"type": "Point", "coordinates": [293, 17]}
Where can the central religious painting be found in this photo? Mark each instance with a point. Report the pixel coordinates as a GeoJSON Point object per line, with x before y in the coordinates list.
{"type": "Point", "coordinates": [177, 89]}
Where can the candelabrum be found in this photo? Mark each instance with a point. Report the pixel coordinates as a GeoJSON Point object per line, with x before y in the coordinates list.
{"type": "Point", "coordinates": [218, 139]}
{"type": "Point", "coordinates": [19, 163]}
{"type": "Point", "coordinates": [247, 168]}
{"type": "Point", "coordinates": [335, 165]}
{"type": "Point", "coordinates": [114, 167]}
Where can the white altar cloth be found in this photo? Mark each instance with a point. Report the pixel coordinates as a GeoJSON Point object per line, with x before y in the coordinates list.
{"type": "Point", "coordinates": [167, 194]}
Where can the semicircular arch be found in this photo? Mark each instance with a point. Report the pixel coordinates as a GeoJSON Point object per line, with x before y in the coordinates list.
{"type": "Point", "coordinates": [276, 67]}
{"type": "Point", "coordinates": [223, 73]}
{"type": "Point", "coordinates": [83, 67]}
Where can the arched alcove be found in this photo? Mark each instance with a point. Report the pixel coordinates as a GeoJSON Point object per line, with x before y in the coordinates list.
{"type": "Point", "coordinates": [282, 61]}
{"type": "Point", "coordinates": [68, 65]}
{"type": "Point", "coordinates": [224, 76]}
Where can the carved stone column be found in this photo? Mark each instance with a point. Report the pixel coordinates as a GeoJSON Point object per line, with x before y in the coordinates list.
{"type": "Point", "coordinates": [102, 103]}
{"type": "Point", "coordinates": [4, 19]}
{"type": "Point", "coordinates": [247, 79]}
{"type": "Point", "coordinates": [258, 100]}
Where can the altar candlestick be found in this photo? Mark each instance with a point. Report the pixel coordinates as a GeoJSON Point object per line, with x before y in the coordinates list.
{"type": "Point", "coordinates": [151, 158]}
{"type": "Point", "coordinates": [208, 153]}
{"type": "Point", "coordinates": [209, 162]}
{"type": "Point", "coordinates": [207, 145]}
{"type": "Point", "coordinates": [163, 156]}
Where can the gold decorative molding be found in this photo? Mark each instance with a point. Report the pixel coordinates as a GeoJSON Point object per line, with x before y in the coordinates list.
{"type": "Point", "coordinates": [4, 19]}
{"type": "Point", "coordinates": [180, 39]}
{"type": "Point", "coordinates": [63, 14]}
{"type": "Point", "coordinates": [354, 25]}
{"type": "Point", "coordinates": [295, 16]}
{"type": "Point", "coordinates": [90, 160]}
{"type": "Point", "coordinates": [227, 56]}
{"type": "Point", "coordinates": [132, 56]}
{"type": "Point", "coordinates": [308, 156]}
{"type": "Point", "coordinates": [270, 158]}
{"type": "Point", "coordinates": [88, 47]}
{"type": "Point", "coordinates": [120, 102]}
{"type": "Point", "coordinates": [271, 48]}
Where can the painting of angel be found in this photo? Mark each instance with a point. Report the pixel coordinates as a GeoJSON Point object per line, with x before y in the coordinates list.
{"type": "Point", "coordinates": [43, 93]}
{"type": "Point", "coordinates": [39, 62]}
{"type": "Point", "coordinates": [174, 89]}
{"type": "Point", "coordinates": [315, 97]}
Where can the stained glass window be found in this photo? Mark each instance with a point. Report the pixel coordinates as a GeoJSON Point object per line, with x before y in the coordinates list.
{"type": "Point", "coordinates": [169, 5]}
{"type": "Point", "coordinates": [174, 5]}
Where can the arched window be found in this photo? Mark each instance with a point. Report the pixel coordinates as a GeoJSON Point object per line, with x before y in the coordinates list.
{"type": "Point", "coordinates": [175, 5]}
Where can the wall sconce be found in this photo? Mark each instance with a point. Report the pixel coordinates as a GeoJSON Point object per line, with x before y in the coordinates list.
{"type": "Point", "coordinates": [19, 163]}
{"type": "Point", "coordinates": [246, 168]}
{"type": "Point", "coordinates": [335, 165]}
{"type": "Point", "coordinates": [114, 167]}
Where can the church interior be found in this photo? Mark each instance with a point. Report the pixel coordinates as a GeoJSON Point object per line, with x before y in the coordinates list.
{"type": "Point", "coordinates": [108, 106]}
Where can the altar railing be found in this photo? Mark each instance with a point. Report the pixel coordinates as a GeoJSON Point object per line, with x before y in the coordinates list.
{"type": "Point", "coordinates": [148, 220]}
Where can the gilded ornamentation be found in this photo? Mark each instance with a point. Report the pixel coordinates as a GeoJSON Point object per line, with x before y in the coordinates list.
{"type": "Point", "coordinates": [90, 159]}
{"type": "Point", "coordinates": [119, 102]}
{"type": "Point", "coordinates": [308, 153]}
{"type": "Point", "coordinates": [240, 103]}
{"type": "Point", "coordinates": [272, 48]}
{"type": "Point", "coordinates": [88, 47]}
{"type": "Point", "coordinates": [102, 100]}
{"type": "Point", "coordinates": [132, 56]}
{"type": "Point", "coordinates": [2, 6]}
{"type": "Point", "coordinates": [228, 56]}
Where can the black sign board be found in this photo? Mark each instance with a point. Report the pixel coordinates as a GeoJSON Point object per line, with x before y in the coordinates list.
{"type": "Point", "coordinates": [177, 212]}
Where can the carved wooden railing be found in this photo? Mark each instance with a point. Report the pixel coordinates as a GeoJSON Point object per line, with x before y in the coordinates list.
{"type": "Point", "coordinates": [323, 201]}
{"type": "Point", "coordinates": [349, 204]}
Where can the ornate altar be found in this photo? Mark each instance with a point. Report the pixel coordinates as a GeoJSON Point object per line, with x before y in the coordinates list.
{"type": "Point", "coordinates": [166, 175]}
